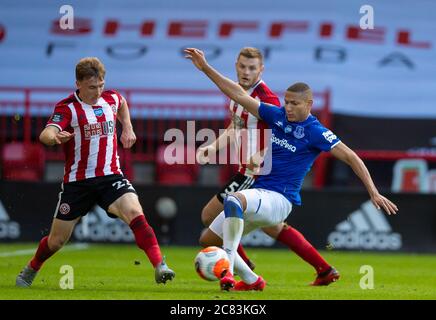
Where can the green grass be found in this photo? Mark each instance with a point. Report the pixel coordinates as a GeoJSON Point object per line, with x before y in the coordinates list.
{"type": "Point", "coordinates": [109, 272]}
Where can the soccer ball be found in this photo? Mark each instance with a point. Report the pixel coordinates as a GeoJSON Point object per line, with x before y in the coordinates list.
{"type": "Point", "coordinates": [212, 263]}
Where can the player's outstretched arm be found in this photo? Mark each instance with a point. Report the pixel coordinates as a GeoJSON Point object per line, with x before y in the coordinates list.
{"type": "Point", "coordinates": [230, 88]}
{"type": "Point", "coordinates": [345, 154]}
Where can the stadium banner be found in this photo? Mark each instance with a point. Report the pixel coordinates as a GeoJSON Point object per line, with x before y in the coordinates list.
{"type": "Point", "coordinates": [383, 70]}
{"type": "Point", "coordinates": [331, 220]}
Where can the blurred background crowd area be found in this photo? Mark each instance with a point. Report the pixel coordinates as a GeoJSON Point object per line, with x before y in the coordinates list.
{"type": "Point", "coordinates": [373, 87]}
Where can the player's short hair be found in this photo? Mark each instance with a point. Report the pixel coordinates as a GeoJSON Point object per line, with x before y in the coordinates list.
{"type": "Point", "coordinates": [250, 52]}
{"type": "Point", "coordinates": [90, 67]}
{"type": "Point", "coordinates": [303, 88]}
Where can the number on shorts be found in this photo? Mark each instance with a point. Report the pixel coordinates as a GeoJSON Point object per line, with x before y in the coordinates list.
{"type": "Point", "coordinates": [121, 184]}
{"type": "Point", "coordinates": [232, 187]}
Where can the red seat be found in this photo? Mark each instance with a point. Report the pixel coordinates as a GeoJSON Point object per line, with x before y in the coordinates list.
{"type": "Point", "coordinates": [180, 173]}
{"type": "Point", "coordinates": [23, 161]}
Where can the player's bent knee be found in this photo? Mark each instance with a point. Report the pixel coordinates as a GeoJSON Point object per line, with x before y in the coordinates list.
{"type": "Point", "coordinates": [208, 238]}
{"type": "Point", "coordinates": [131, 214]}
{"type": "Point", "coordinates": [274, 231]}
{"type": "Point", "coordinates": [206, 217]}
{"type": "Point", "coordinates": [55, 243]}
{"type": "Point", "coordinates": [202, 242]}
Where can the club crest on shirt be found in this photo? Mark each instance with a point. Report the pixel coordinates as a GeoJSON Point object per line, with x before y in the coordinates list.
{"type": "Point", "coordinates": [64, 208]}
{"type": "Point", "coordinates": [114, 108]}
{"type": "Point", "coordinates": [288, 129]}
{"type": "Point", "coordinates": [299, 132]}
{"type": "Point", "coordinates": [98, 112]}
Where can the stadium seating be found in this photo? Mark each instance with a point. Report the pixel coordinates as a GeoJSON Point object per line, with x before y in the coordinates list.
{"type": "Point", "coordinates": [23, 161]}
{"type": "Point", "coordinates": [179, 173]}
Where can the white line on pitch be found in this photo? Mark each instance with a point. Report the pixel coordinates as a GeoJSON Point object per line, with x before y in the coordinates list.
{"type": "Point", "coordinates": [72, 247]}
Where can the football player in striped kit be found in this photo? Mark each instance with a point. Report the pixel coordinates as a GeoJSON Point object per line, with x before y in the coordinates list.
{"type": "Point", "coordinates": [85, 125]}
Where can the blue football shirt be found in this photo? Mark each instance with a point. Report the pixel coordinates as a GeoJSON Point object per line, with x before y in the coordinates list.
{"type": "Point", "coordinates": [295, 146]}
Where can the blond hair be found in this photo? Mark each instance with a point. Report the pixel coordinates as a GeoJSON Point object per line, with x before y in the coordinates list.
{"type": "Point", "coordinates": [90, 67]}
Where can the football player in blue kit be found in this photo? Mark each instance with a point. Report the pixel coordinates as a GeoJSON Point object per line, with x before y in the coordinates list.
{"type": "Point", "coordinates": [297, 139]}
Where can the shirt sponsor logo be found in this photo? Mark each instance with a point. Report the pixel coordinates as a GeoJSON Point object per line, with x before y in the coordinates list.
{"type": "Point", "coordinates": [329, 136]}
{"type": "Point", "coordinates": [98, 112]}
{"type": "Point", "coordinates": [97, 129]}
{"type": "Point", "coordinates": [283, 143]}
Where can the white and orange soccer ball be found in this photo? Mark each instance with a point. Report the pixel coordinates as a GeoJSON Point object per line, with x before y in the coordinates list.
{"type": "Point", "coordinates": [212, 263]}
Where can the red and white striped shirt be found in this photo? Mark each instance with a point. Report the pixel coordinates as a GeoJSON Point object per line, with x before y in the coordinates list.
{"type": "Point", "coordinates": [253, 141]}
{"type": "Point", "coordinates": [92, 152]}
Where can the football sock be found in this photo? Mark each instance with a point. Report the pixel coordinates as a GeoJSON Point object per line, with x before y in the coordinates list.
{"type": "Point", "coordinates": [42, 254]}
{"type": "Point", "coordinates": [146, 239]}
{"type": "Point", "coordinates": [243, 254]}
{"type": "Point", "coordinates": [233, 227]}
{"type": "Point", "coordinates": [232, 233]}
{"type": "Point", "coordinates": [297, 243]}
{"type": "Point", "coordinates": [244, 271]}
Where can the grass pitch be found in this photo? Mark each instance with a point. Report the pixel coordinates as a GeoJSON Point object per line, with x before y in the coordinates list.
{"type": "Point", "coordinates": [123, 272]}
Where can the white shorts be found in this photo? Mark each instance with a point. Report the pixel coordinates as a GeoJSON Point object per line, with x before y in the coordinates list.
{"type": "Point", "coordinates": [265, 208]}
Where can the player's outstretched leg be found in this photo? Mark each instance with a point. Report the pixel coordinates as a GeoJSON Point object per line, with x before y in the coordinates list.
{"type": "Point", "coordinates": [27, 275]}
{"type": "Point", "coordinates": [327, 277]}
{"type": "Point", "coordinates": [146, 240]}
{"type": "Point", "coordinates": [258, 285]}
{"type": "Point", "coordinates": [250, 280]}
{"type": "Point", "coordinates": [210, 211]}
{"type": "Point", "coordinates": [162, 273]}
{"type": "Point", "coordinates": [304, 249]}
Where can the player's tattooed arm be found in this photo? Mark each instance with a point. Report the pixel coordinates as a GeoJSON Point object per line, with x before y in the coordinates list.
{"type": "Point", "coordinates": [230, 88]}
